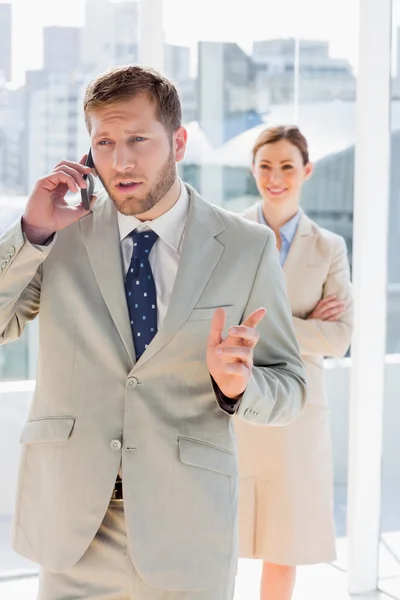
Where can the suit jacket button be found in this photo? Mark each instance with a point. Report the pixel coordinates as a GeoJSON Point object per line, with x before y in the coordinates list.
{"type": "Point", "coordinates": [132, 382]}
{"type": "Point", "coordinates": [115, 445]}
{"type": "Point", "coordinates": [12, 251]}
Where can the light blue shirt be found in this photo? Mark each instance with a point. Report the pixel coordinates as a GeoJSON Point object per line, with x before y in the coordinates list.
{"type": "Point", "coordinates": [287, 231]}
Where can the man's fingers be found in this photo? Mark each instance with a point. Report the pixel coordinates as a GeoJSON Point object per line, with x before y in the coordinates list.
{"type": "Point", "coordinates": [52, 181]}
{"type": "Point", "coordinates": [91, 170]}
{"type": "Point", "coordinates": [243, 354]}
{"type": "Point", "coordinates": [247, 330]}
{"type": "Point", "coordinates": [238, 369]}
{"type": "Point", "coordinates": [77, 166]}
{"type": "Point", "coordinates": [74, 173]}
{"type": "Point", "coordinates": [248, 334]}
{"type": "Point", "coordinates": [254, 319]}
{"type": "Point", "coordinates": [217, 327]}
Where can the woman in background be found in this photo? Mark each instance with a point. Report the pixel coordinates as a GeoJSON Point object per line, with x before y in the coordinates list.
{"type": "Point", "coordinates": [286, 473]}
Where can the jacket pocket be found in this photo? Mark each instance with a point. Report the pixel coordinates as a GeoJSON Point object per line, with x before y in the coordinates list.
{"type": "Point", "coordinates": [48, 429]}
{"type": "Point", "coordinates": [207, 456]}
{"type": "Point", "coordinates": [201, 314]}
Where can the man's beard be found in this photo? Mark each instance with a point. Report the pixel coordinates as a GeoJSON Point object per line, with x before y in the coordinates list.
{"type": "Point", "coordinates": [131, 205]}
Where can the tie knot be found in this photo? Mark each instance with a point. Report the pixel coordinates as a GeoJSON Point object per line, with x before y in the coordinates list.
{"type": "Point", "coordinates": [143, 241]}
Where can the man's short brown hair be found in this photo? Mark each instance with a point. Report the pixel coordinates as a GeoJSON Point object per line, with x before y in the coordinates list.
{"type": "Point", "coordinates": [121, 84]}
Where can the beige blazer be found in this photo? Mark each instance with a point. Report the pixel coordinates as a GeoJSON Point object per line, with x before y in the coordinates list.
{"type": "Point", "coordinates": [317, 266]}
{"type": "Point", "coordinates": [94, 407]}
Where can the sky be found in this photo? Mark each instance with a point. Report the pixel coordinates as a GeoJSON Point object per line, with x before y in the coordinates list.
{"type": "Point", "coordinates": [187, 21]}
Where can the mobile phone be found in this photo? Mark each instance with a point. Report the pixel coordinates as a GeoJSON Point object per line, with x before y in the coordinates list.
{"type": "Point", "coordinates": [87, 193]}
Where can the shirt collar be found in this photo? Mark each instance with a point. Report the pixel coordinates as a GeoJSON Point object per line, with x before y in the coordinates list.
{"type": "Point", "coordinates": [288, 229]}
{"type": "Point", "coordinates": [169, 227]}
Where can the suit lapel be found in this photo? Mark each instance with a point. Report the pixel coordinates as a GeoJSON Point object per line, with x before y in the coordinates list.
{"type": "Point", "coordinates": [200, 254]}
{"type": "Point", "coordinates": [299, 254]}
{"type": "Point", "coordinates": [101, 237]}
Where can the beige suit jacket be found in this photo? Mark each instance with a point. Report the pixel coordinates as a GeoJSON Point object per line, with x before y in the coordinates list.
{"type": "Point", "coordinates": [94, 407]}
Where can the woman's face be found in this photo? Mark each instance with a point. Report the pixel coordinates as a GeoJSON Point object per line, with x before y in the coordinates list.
{"type": "Point", "coordinates": [279, 172]}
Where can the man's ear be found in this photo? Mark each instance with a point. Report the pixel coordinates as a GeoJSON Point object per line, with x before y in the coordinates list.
{"type": "Point", "coordinates": [180, 141]}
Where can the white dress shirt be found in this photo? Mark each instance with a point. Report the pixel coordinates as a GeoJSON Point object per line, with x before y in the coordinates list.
{"type": "Point", "coordinates": [165, 254]}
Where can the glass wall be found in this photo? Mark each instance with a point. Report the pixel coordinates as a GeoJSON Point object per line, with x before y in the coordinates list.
{"type": "Point", "coordinates": [257, 67]}
{"type": "Point", "coordinates": [251, 68]}
{"type": "Point", "coordinates": [238, 70]}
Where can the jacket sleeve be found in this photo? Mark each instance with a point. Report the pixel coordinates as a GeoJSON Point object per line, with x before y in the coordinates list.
{"type": "Point", "coordinates": [20, 281]}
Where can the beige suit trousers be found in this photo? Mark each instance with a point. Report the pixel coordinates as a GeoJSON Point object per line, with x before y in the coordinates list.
{"type": "Point", "coordinates": [106, 572]}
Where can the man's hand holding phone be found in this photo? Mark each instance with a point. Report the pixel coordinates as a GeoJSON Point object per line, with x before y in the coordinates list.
{"type": "Point", "coordinates": [47, 211]}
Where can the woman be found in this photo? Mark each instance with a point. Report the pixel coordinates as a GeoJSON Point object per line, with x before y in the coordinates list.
{"type": "Point", "coordinates": [286, 474]}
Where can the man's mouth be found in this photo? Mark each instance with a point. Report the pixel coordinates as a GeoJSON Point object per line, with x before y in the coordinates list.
{"type": "Point", "coordinates": [128, 186]}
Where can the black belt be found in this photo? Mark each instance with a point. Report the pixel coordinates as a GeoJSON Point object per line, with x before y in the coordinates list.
{"type": "Point", "coordinates": [117, 492]}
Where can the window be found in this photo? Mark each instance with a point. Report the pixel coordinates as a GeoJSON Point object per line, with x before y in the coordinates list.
{"type": "Point", "coordinates": [259, 68]}
{"type": "Point", "coordinates": [238, 70]}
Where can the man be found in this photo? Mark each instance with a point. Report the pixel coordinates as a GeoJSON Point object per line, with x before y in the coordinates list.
{"type": "Point", "coordinates": [138, 374]}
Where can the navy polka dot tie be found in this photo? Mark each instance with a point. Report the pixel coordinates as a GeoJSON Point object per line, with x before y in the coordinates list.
{"type": "Point", "coordinates": [141, 291]}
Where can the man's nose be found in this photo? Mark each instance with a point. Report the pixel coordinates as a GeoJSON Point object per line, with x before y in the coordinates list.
{"type": "Point", "coordinates": [123, 159]}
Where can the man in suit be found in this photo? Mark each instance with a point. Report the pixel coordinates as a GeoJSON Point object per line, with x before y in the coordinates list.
{"type": "Point", "coordinates": [152, 335]}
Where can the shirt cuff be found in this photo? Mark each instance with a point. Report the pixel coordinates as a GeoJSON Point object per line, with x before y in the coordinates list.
{"type": "Point", "coordinates": [46, 243]}
{"type": "Point", "coordinates": [41, 247]}
{"type": "Point", "coordinates": [228, 405]}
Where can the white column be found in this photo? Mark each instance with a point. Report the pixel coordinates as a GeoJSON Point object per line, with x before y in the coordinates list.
{"type": "Point", "coordinates": [151, 34]}
{"type": "Point", "coordinates": [372, 163]}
